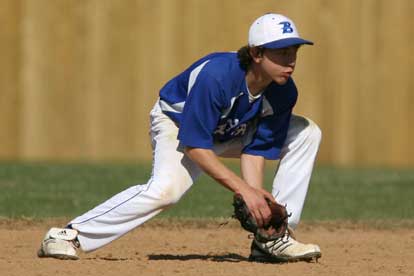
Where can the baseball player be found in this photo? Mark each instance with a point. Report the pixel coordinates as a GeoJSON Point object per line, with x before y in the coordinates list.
{"type": "Point", "coordinates": [225, 104]}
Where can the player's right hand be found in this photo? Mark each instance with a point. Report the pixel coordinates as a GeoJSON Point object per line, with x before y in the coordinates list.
{"type": "Point", "coordinates": [256, 202]}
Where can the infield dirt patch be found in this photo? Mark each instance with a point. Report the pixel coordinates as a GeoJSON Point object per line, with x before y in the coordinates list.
{"type": "Point", "coordinates": [208, 248]}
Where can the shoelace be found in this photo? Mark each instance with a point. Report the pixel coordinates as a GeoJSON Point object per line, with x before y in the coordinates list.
{"type": "Point", "coordinates": [274, 246]}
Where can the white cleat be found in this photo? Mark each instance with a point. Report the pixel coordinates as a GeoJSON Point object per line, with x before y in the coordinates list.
{"type": "Point", "coordinates": [285, 249]}
{"type": "Point", "coordinates": [59, 243]}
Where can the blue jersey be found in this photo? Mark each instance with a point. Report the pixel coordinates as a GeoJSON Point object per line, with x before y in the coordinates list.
{"type": "Point", "coordinates": [210, 103]}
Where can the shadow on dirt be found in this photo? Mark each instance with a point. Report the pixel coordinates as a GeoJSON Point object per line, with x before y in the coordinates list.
{"type": "Point", "coordinates": [230, 257]}
{"type": "Point", "coordinates": [114, 259]}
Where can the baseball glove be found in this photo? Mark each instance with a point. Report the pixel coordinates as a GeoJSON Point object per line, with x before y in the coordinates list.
{"type": "Point", "coordinates": [275, 229]}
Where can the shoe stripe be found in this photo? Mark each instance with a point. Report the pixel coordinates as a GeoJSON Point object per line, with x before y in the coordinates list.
{"type": "Point", "coordinates": [280, 244]}
{"type": "Point", "coordinates": [284, 248]}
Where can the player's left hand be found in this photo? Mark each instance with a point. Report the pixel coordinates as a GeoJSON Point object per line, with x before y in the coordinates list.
{"type": "Point", "coordinates": [272, 230]}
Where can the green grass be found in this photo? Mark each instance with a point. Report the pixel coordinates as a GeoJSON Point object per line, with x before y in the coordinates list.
{"type": "Point", "coordinates": [39, 190]}
{"type": "Point", "coordinates": [360, 194]}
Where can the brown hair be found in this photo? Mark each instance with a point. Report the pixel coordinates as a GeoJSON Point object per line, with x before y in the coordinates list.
{"type": "Point", "coordinates": [245, 59]}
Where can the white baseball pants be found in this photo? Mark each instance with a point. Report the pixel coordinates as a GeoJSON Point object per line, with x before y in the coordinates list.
{"type": "Point", "coordinates": [173, 173]}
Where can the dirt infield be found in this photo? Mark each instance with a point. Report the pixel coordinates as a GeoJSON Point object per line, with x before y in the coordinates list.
{"type": "Point", "coordinates": [208, 248]}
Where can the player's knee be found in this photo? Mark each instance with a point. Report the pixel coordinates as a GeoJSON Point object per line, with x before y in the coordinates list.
{"type": "Point", "coordinates": [170, 193]}
{"type": "Point", "coordinates": [169, 199]}
{"type": "Point", "coordinates": [314, 133]}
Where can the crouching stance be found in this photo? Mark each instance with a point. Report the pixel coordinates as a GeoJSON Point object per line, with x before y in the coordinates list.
{"type": "Point", "coordinates": [236, 105]}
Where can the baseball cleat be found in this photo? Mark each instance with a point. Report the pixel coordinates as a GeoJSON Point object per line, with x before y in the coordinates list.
{"type": "Point", "coordinates": [285, 249]}
{"type": "Point", "coordinates": [59, 243]}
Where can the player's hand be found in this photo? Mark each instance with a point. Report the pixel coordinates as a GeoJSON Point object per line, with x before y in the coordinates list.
{"type": "Point", "coordinates": [256, 202]}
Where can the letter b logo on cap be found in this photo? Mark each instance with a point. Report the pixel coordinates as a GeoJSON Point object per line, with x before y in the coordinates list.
{"type": "Point", "coordinates": [286, 27]}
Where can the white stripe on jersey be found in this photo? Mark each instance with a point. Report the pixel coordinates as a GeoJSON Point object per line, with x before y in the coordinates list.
{"type": "Point", "coordinates": [227, 110]}
{"type": "Point", "coordinates": [176, 108]}
{"type": "Point", "coordinates": [267, 109]}
{"type": "Point", "coordinates": [194, 74]}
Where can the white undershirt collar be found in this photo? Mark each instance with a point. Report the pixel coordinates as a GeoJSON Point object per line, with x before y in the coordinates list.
{"type": "Point", "coordinates": [251, 97]}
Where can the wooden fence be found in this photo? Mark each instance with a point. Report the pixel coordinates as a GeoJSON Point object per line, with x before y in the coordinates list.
{"type": "Point", "coordinates": [78, 77]}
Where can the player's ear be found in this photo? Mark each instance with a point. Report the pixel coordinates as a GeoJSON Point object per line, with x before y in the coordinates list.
{"type": "Point", "coordinates": [256, 53]}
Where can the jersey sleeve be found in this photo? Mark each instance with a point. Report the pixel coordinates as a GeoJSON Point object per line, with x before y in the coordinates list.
{"type": "Point", "coordinates": [201, 113]}
{"type": "Point", "coordinates": [270, 136]}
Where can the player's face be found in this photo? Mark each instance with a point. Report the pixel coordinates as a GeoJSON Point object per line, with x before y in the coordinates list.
{"type": "Point", "coordinates": [279, 64]}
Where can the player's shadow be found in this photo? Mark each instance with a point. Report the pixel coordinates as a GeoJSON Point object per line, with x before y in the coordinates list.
{"type": "Point", "coordinates": [229, 257]}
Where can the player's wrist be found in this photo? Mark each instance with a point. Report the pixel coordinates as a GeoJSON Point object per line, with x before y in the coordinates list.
{"type": "Point", "coordinates": [243, 188]}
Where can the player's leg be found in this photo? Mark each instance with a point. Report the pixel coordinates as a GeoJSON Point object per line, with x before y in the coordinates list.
{"type": "Point", "coordinates": [298, 155]}
{"type": "Point", "coordinates": [300, 150]}
{"type": "Point", "coordinates": [290, 187]}
{"type": "Point", "coordinates": [172, 175]}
